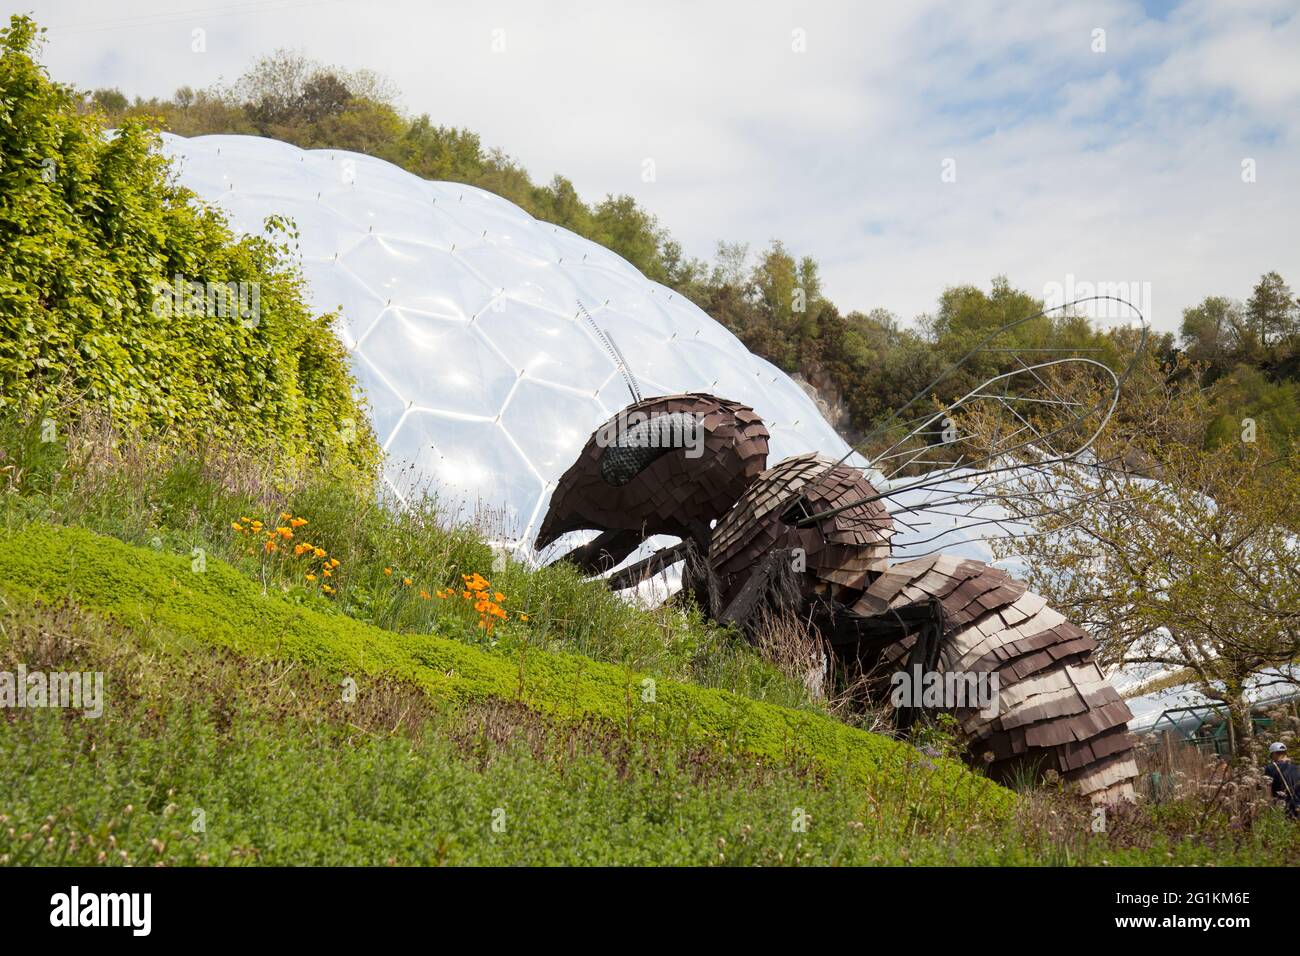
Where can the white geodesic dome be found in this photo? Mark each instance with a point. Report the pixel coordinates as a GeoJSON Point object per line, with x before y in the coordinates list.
{"type": "Point", "coordinates": [461, 315]}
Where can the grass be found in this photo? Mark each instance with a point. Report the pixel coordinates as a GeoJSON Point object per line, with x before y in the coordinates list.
{"type": "Point", "coordinates": [223, 609]}
{"type": "Point", "coordinates": [209, 757]}
{"type": "Point", "coordinates": [182, 499]}
{"type": "Point", "coordinates": [276, 769]}
{"type": "Point", "coordinates": [541, 742]}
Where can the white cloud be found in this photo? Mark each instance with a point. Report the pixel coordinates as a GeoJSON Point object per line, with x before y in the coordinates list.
{"type": "Point", "coordinates": [1086, 98]}
{"type": "Point", "coordinates": [1250, 51]}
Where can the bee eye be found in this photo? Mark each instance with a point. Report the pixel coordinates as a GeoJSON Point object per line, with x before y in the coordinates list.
{"type": "Point", "coordinates": [638, 447]}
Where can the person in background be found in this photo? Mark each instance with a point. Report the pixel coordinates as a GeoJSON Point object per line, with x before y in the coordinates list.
{"type": "Point", "coordinates": [1284, 778]}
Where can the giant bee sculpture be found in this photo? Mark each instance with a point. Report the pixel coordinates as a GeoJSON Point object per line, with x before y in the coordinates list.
{"type": "Point", "coordinates": [811, 537]}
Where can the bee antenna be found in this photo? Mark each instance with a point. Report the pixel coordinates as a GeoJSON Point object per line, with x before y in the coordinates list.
{"type": "Point", "coordinates": [608, 341]}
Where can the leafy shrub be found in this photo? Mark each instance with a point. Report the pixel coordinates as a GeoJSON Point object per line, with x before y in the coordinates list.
{"type": "Point", "coordinates": [93, 237]}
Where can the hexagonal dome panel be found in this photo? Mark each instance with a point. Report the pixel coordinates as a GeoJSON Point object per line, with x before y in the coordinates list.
{"type": "Point", "coordinates": [418, 277]}
{"type": "Point", "coordinates": [542, 345]}
{"type": "Point", "coordinates": [545, 421]}
{"type": "Point", "coordinates": [462, 316]}
{"type": "Point", "coordinates": [472, 467]}
{"type": "Point", "coordinates": [437, 364]}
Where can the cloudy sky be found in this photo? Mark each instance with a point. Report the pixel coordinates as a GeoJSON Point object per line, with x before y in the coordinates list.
{"type": "Point", "coordinates": [906, 147]}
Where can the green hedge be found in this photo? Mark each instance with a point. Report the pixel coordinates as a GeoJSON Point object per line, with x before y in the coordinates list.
{"type": "Point", "coordinates": [94, 233]}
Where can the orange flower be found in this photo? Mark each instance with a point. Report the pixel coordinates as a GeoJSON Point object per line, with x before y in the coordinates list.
{"type": "Point", "coordinates": [406, 581]}
{"type": "Point", "coordinates": [424, 595]}
{"type": "Point", "coordinates": [523, 617]}
{"type": "Point", "coordinates": [285, 516]}
{"type": "Point", "coordinates": [311, 577]}
{"type": "Point", "coordinates": [499, 596]}
{"type": "Point", "coordinates": [475, 582]}
{"type": "Point", "coordinates": [320, 552]}
{"type": "Point", "coordinates": [297, 522]}
{"type": "Point", "coordinates": [388, 571]}
{"type": "Point", "coordinates": [327, 589]}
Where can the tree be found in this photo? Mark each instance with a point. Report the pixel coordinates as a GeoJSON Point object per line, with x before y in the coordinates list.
{"type": "Point", "coordinates": [1272, 310]}
{"type": "Point", "coordinates": [324, 94]}
{"type": "Point", "coordinates": [560, 203]}
{"type": "Point", "coordinates": [272, 88]}
{"type": "Point", "coordinates": [731, 264]}
{"type": "Point", "coordinates": [437, 152]}
{"type": "Point", "coordinates": [1170, 552]}
{"type": "Point", "coordinates": [1247, 392]}
{"type": "Point", "coordinates": [967, 315]}
{"type": "Point", "coordinates": [284, 92]}
{"type": "Point", "coordinates": [110, 100]}
{"type": "Point", "coordinates": [632, 232]}
{"type": "Point", "coordinates": [686, 275]}
{"type": "Point", "coordinates": [361, 126]}
{"type": "Point", "coordinates": [1211, 332]}
{"type": "Point", "coordinates": [790, 298]}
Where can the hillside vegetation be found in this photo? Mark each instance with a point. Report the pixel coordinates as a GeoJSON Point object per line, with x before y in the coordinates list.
{"type": "Point", "coordinates": [222, 609]}
{"type": "Point", "coordinates": [224, 668]}
{"type": "Point", "coordinates": [444, 753]}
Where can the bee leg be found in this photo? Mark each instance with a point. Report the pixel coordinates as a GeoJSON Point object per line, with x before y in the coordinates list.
{"type": "Point", "coordinates": [645, 569]}
{"type": "Point", "coordinates": [603, 552]}
{"type": "Point", "coordinates": [772, 586]}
